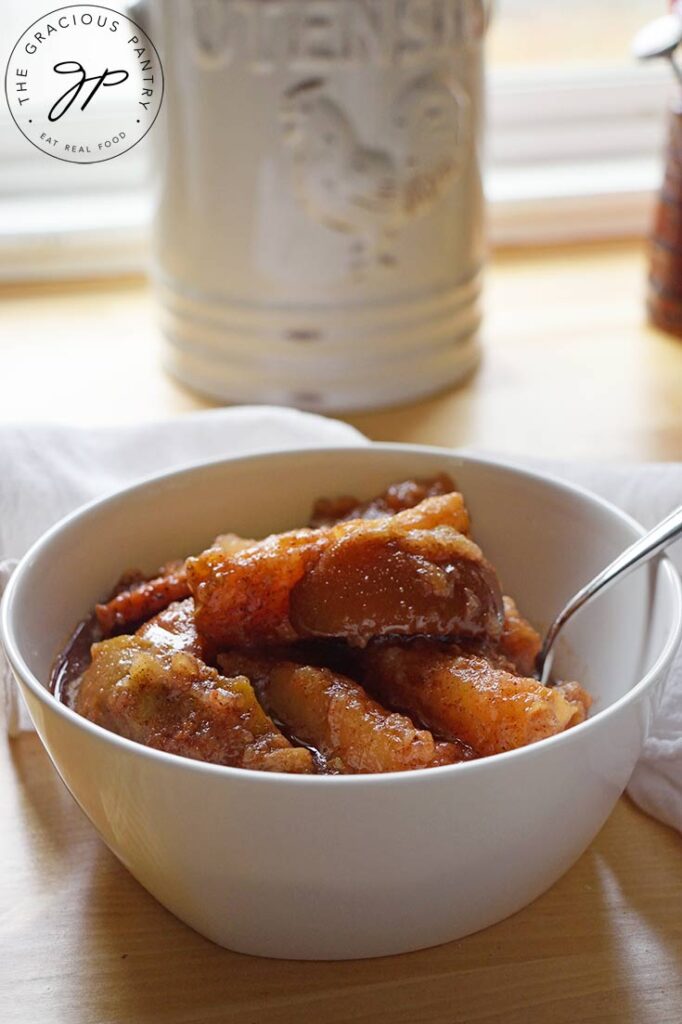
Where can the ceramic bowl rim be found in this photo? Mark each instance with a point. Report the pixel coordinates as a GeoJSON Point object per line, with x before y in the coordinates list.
{"type": "Point", "coordinates": [460, 770]}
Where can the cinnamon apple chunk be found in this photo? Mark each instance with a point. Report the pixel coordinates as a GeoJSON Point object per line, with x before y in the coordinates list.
{"type": "Point", "coordinates": [171, 700]}
{"type": "Point", "coordinates": [519, 642]}
{"type": "Point", "coordinates": [396, 498]}
{"type": "Point", "coordinates": [333, 714]}
{"type": "Point", "coordinates": [413, 573]}
{"type": "Point", "coordinates": [175, 630]}
{"type": "Point", "coordinates": [465, 695]}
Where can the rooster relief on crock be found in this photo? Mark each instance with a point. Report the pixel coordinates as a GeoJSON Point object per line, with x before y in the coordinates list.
{"type": "Point", "coordinates": [370, 192]}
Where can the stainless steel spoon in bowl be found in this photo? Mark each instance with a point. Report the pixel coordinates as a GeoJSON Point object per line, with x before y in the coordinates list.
{"type": "Point", "coordinates": [665, 533]}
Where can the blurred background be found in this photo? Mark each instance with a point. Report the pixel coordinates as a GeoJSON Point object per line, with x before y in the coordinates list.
{"type": "Point", "coordinates": [574, 142]}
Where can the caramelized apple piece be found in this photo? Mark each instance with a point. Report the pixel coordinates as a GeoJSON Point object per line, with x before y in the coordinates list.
{"type": "Point", "coordinates": [172, 701]}
{"type": "Point", "coordinates": [413, 573]}
{"type": "Point", "coordinates": [143, 599]}
{"type": "Point", "coordinates": [396, 498]}
{"type": "Point", "coordinates": [333, 713]}
{"type": "Point", "coordinates": [426, 582]}
{"type": "Point", "coordinates": [576, 695]}
{"type": "Point", "coordinates": [463, 695]}
{"type": "Point", "coordinates": [243, 600]}
{"type": "Point", "coordinates": [520, 643]}
{"type": "Point", "coordinates": [174, 629]}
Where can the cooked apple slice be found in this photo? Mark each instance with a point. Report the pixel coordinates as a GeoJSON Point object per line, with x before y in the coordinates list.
{"type": "Point", "coordinates": [464, 695]}
{"type": "Point", "coordinates": [333, 714]}
{"type": "Point", "coordinates": [173, 701]}
{"type": "Point", "coordinates": [409, 574]}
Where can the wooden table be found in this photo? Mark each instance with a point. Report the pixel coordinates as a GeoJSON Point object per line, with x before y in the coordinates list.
{"type": "Point", "coordinates": [570, 370]}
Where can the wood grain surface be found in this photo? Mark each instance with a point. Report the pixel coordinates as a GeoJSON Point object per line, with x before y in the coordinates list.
{"type": "Point", "coordinates": [570, 370]}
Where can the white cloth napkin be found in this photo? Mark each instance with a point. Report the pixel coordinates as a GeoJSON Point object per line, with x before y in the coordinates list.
{"type": "Point", "coordinates": [45, 472]}
{"type": "Point", "coordinates": [648, 492]}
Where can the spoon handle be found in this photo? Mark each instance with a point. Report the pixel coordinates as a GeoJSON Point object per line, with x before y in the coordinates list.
{"type": "Point", "coordinates": [668, 530]}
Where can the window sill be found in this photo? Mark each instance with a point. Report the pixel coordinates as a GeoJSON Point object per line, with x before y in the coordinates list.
{"type": "Point", "coordinates": [104, 235]}
{"type": "Point", "coordinates": [549, 205]}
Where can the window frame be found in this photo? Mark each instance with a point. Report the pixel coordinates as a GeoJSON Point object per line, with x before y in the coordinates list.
{"type": "Point", "coordinates": [570, 155]}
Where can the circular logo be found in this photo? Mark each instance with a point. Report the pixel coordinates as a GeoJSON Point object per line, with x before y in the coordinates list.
{"type": "Point", "coordinates": [84, 83]}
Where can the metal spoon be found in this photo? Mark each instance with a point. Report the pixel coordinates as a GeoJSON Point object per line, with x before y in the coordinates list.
{"type": "Point", "coordinates": [667, 531]}
{"type": "Point", "coordinates": [660, 38]}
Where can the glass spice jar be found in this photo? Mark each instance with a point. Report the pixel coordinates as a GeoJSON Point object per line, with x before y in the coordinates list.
{"type": "Point", "coordinates": [664, 301]}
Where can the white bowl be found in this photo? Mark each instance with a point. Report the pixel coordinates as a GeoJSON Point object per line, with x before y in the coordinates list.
{"type": "Point", "coordinates": [356, 866]}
